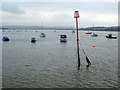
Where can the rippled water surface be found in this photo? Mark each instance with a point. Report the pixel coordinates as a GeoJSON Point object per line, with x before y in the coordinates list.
{"type": "Point", "coordinates": [48, 63]}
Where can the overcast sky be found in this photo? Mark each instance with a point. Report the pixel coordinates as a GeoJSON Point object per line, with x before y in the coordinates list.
{"type": "Point", "coordinates": [59, 13]}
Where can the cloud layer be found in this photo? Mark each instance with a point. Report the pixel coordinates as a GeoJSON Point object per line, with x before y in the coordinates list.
{"type": "Point", "coordinates": [59, 14]}
{"type": "Point", "coordinates": [12, 8]}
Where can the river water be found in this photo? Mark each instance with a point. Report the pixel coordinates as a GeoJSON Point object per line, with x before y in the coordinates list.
{"type": "Point", "coordinates": [48, 63]}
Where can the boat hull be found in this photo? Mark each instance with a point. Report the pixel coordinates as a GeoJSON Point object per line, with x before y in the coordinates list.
{"type": "Point", "coordinates": [63, 40]}
{"type": "Point", "coordinates": [33, 41]}
{"type": "Point", "coordinates": [5, 39]}
{"type": "Point", "coordinates": [111, 37]}
{"type": "Point", "coordinates": [88, 33]}
{"type": "Point", "coordinates": [42, 35]}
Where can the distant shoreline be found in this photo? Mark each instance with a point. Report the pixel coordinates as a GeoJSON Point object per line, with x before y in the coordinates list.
{"type": "Point", "coordinates": [112, 28]}
{"type": "Point", "coordinates": [57, 30]}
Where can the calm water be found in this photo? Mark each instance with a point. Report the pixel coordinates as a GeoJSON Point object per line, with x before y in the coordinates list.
{"type": "Point", "coordinates": [48, 63]}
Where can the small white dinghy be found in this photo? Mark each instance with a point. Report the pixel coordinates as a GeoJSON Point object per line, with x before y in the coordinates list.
{"type": "Point", "coordinates": [42, 35]}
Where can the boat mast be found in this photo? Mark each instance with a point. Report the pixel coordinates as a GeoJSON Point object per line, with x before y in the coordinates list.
{"type": "Point", "coordinates": [93, 28]}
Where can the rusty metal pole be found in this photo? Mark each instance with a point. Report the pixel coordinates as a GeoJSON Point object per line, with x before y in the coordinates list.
{"type": "Point", "coordinates": [76, 15]}
{"type": "Point", "coordinates": [77, 43]}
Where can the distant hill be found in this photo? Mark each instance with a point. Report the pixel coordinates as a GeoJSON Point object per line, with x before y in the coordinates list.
{"type": "Point", "coordinates": [113, 28]}
{"type": "Point", "coordinates": [7, 27]}
{"type": "Point", "coordinates": [37, 27]}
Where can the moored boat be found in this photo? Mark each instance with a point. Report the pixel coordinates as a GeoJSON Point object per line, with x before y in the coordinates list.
{"type": "Point", "coordinates": [88, 33]}
{"type": "Point", "coordinates": [63, 38]}
{"type": "Point", "coordinates": [5, 38]}
{"type": "Point", "coordinates": [33, 39]}
{"type": "Point", "coordinates": [73, 31]}
{"type": "Point", "coordinates": [111, 37]}
{"type": "Point", "coordinates": [94, 35]}
{"type": "Point", "coordinates": [42, 35]}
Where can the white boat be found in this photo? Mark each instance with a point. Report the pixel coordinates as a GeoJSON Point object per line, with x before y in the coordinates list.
{"type": "Point", "coordinates": [42, 35]}
{"type": "Point", "coordinates": [63, 38]}
{"type": "Point", "coordinates": [93, 34]}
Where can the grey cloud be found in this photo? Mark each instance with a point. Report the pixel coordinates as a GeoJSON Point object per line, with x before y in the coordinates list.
{"type": "Point", "coordinates": [12, 8]}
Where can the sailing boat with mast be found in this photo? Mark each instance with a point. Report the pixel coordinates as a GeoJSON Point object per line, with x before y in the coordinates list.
{"type": "Point", "coordinates": [110, 36]}
{"type": "Point", "coordinates": [93, 34]}
{"type": "Point", "coordinates": [42, 33]}
{"type": "Point", "coordinates": [88, 32]}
